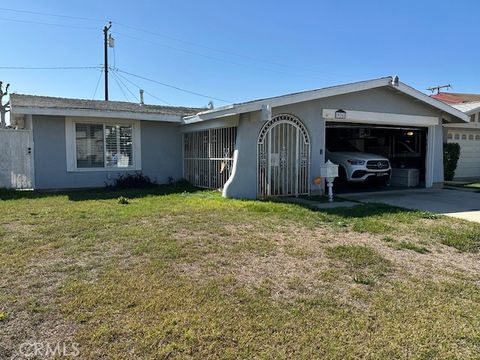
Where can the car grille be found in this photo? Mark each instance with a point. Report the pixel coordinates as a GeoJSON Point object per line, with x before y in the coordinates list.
{"type": "Point", "coordinates": [378, 164]}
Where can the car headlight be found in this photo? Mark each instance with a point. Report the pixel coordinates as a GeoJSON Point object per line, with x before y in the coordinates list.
{"type": "Point", "coordinates": [356, 162]}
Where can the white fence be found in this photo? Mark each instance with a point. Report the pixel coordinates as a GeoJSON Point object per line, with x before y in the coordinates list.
{"type": "Point", "coordinates": [208, 157]}
{"type": "Point", "coordinates": [16, 159]}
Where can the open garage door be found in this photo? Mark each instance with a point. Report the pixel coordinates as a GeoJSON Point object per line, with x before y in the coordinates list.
{"type": "Point", "coordinates": [372, 156]}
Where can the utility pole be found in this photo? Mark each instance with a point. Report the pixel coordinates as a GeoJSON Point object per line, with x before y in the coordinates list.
{"type": "Point", "coordinates": [105, 62]}
{"type": "Point", "coordinates": [4, 108]}
{"type": "Point", "coordinates": [438, 88]}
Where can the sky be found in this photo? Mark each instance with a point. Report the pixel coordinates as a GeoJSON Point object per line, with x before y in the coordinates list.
{"type": "Point", "coordinates": [233, 51]}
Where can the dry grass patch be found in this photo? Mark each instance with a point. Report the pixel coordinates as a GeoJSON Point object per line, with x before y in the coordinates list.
{"type": "Point", "coordinates": [192, 275]}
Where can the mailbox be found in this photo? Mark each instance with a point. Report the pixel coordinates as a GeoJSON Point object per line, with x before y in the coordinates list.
{"type": "Point", "coordinates": [329, 171]}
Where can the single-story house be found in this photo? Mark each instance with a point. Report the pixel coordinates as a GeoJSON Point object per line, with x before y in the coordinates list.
{"type": "Point", "coordinates": [268, 147]}
{"type": "Point", "coordinates": [467, 135]}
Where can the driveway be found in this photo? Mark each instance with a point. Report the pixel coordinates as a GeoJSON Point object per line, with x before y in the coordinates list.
{"type": "Point", "coordinates": [451, 202]}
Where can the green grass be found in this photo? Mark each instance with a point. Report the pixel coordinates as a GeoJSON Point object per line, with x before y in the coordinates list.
{"type": "Point", "coordinates": [181, 273]}
{"type": "Point", "coordinates": [363, 263]}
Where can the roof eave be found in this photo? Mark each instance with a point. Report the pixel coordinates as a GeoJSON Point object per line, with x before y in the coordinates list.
{"type": "Point", "coordinates": [454, 114]}
{"type": "Point", "coordinates": [286, 100]}
{"type": "Point", "coordinates": [30, 110]}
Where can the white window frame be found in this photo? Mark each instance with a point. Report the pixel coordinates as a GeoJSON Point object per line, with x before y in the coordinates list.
{"type": "Point", "coordinates": [71, 143]}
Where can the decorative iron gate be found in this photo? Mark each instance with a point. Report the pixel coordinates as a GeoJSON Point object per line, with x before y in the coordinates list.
{"type": "Point", "coordinates": [283, 151]}
{"type": "Point", "coordinates": [208, 157]}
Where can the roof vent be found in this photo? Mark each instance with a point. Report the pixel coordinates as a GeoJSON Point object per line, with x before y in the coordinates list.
{"type": "Point", "coordinates": [395, 80]}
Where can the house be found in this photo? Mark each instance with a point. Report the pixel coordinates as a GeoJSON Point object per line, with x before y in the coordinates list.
{"type": "Point", "coordinates": [467, 135]}
{"type": "Point", "coordinates": [268, 147]}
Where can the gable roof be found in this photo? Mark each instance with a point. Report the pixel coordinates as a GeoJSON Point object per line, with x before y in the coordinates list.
{"type": "Point", "coordinates": [468, 107]}
{"type": "Point", "coordinates": [456, 98]}
{"type": "Point", "coordinates": [47, 105]}
{"type": "Point", "coordinates": [293, 98]}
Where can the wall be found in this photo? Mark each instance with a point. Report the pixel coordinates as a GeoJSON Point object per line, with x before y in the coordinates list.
{"type": "Point", "coordinates": [161, 147]}
{"type": "Point", "coordinates": [243, 182]}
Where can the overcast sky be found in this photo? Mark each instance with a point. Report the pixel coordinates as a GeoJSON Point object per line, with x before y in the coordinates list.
{"type": "Point", "coordinates": [238, 50]}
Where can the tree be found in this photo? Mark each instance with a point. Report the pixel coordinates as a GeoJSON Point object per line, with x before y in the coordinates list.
{"type": "Point", "coordinates": [4, 108]}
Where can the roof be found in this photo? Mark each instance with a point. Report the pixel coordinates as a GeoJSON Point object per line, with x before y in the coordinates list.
{"type": "Point", "coordinates": [468, 106]}
{"type": "Point", "coordinates": [47, 105]}
{"type": "Point", "coordinates": [456, 98]}
{"type": "Point", "coordinates": [293, 98]}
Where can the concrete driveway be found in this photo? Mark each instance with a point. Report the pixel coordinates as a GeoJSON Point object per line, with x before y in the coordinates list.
{"type": "Point", "coordinates": [461, 204]}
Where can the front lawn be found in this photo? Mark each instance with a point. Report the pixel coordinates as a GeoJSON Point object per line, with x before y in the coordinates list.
{"type": "Point", "coordinates": [181, 273]}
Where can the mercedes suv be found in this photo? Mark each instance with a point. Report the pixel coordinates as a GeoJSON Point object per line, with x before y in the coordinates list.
{"type": "Point", "coordinates": [358, 166]}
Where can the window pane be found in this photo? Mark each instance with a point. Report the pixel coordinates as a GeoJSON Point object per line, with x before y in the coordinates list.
{"type": "Point", "coordinates": [118, 146]}
{"type": "Point", "coordinates": [89, 139]}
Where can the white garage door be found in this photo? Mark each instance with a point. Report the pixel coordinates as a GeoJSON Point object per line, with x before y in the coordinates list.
{"type": "Point", "coordinates": [469, 162]}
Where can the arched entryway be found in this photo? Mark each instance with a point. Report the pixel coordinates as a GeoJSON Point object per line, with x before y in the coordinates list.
{"type": "Point", "coordinates": [283, 153]}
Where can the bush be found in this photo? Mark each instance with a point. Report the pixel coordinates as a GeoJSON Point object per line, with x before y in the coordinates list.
{"type": "Point", "coordinates": [122, 200]}
{"type": "Point", "coordinates": [451, 154]}
{"type": "Point", "coordinates": [133, 181]}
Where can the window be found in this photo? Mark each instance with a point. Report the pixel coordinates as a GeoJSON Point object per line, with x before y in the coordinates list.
{"type": "Point", "coordinates": [98, 145]}
{"type": "Point", "coordinates": [118, 140]}
{"type": "Point", "coordinates": [472, 118]}
{"type": "Point", "coordinates": [89, 139]}
{"type": "Point", "coordinates": [464, 136]}
{"type": "Point", "coordinates": [470, 137]}
{"type": "Point", "coordinates": [450, 136]}
{"type": "Point", "coordinates": [457, 136]}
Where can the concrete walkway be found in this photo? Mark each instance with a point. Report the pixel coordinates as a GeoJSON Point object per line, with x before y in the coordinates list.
{"type": "Point", "coordinates": [319, 204]}
{"type": "Point", "coordinates": [451, 202]}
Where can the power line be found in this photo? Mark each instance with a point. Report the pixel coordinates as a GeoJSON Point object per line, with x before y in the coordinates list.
{"type": "Point", "coordinates": [277, 71]}
{"type": "Point", "coordinates": [126, 87]}
{"type": "Point", "coordinates": [98, 83]}
{"type": "Point", "coordinates": [168, 46]}
{"type": "Point", "coordinates": [139, 87]}
{"type": "Point", "coordinates": [50, 14]}
{"type": "Point", "coordinates": [121, 89]}
{"type": "Point", "coordinates": [49, 67]}
{"type": "Point", "coordinates": [48, 24]}
{"type": "Point", "coordinates": [204, 46]}
{"type": "Point", "coordinates": [173, 86]}
{"type": "Point", "coordinates": [146, 31]}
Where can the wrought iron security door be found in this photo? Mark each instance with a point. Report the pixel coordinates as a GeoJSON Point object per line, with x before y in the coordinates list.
{"type": "Point", "coordinates": [283, 151]}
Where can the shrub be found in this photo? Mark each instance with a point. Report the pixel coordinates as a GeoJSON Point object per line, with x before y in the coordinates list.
{"type": "Point", "coordinates": [123, 200]}
{"type": "Point", "coordinates": [451, 154]}
{"type": "Point", "coordinates": [131, 181]}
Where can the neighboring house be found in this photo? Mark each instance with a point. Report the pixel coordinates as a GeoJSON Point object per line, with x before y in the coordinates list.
{"type": "Point", "coordinates": [466, 135]}
{"type": "Point", "coordinates": [256, 149]}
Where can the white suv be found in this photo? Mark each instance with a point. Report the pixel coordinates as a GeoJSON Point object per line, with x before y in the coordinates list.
{"type": "Point", "coordinates": [357, 166]}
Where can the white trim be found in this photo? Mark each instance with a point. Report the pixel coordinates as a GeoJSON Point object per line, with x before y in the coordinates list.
{"type": "Point", "coordinates": [430, 157]}
{"type": "Point", "coordinates": [28, 119]}
{"type": "Point", "coordinates": [129, 115]}
{"type": "Point", "coordinates": [322, 93]}
{"type": "Point", "coordinates": [70, 143]}
{"type": "Point", "coordinates": [471, 126]}
{"type": "Point", "coordinates": [378, 118]}
{"type": "Point", "coordinates": [288, 99]}
{"type": "Point", "coordinates": [214, 124]}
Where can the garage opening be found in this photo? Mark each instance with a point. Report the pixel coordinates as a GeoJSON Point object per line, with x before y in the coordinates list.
{"type": "Point", "coordinates": [373, 157]}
